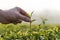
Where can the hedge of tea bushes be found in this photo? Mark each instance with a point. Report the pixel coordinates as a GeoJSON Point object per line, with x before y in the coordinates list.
{"type": "Point", "coordinates": [22, 32]}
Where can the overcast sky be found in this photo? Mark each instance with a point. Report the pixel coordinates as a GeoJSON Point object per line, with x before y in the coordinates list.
{"type": "Point", "coordinates": [30, 5]}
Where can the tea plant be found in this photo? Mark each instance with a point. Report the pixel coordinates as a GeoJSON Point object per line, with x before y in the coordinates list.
{"type": "Point", "coordinates": [31, 24]}
{"type": "Point", "coordinates": [43, 19]}
{"type": "Point", "coordinates": [14, 32]}
{"type": "Point", "coordinates": [30, 31]}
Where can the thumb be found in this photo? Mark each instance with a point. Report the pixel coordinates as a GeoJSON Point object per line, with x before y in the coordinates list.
{"type": "Point", "coordinates": [24, 18]}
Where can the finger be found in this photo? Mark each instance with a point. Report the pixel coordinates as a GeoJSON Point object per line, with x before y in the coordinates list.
{"type": "Point", "coordinates": [24, 18]}
{"type": "Point", "coordinates": [24, 13]}
{"type": "Point", "coordinates": [21, 11]}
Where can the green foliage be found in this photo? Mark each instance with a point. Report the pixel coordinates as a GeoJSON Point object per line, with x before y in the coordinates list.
{"type": "Point", "coordinates": [30, 31]}
{"type": "Point", "coordinates": [22, 32]}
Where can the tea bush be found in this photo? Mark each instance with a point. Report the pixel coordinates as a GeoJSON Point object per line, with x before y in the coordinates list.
{"type": "Point", "coordinates": [22, 32]}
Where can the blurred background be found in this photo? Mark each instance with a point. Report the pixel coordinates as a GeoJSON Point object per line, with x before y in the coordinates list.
{"type": "Point", "coordinates": [47, 8]}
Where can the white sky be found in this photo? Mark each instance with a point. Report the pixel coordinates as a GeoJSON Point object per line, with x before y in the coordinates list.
{"type": "Point", "coordinates": [30, 5]}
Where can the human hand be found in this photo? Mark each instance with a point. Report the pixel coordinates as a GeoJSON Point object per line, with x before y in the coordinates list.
{"type": "Point", "coordinates": [14, 15]}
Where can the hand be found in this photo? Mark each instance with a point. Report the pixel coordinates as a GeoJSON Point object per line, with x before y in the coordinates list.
{"type": "Point", "coordinates": [14, 15]}
{"type": "Point", "coordinates": [23, 15]}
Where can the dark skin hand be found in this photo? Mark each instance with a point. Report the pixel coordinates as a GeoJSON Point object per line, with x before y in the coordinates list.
{"type": "Point", "coordinates": [14, 15]}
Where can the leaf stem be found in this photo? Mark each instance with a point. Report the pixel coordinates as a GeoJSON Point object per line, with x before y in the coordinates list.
{"type": "Point", "coordinates": [31, 25]}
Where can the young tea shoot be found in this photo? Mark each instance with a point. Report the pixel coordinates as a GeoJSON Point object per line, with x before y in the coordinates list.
{"type": "Point", "coordinates": [31, 23]}
{"type": "Point", "coordinates": [43, 20]}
